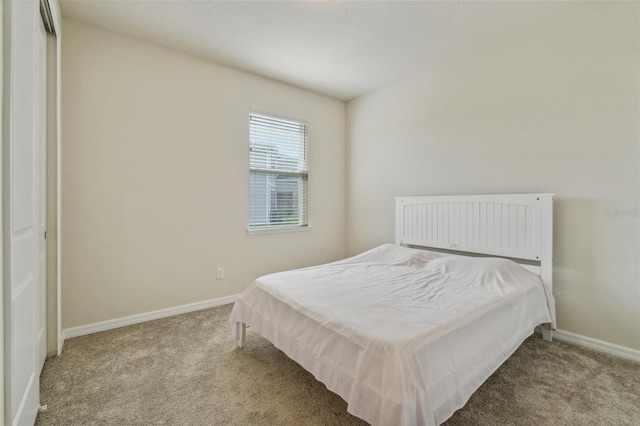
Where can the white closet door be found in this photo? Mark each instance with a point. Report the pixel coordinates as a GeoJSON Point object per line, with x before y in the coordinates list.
{"type": "Point", "coordinates": [41, 174]}
{"type": "Point", "coordinates": [22, 214]}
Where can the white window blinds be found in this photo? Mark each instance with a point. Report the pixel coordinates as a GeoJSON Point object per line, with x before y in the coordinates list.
{"type": "Point", "coordinates": [277, 172]}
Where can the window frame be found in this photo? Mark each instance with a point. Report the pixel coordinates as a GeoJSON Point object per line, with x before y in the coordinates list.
{"type": "Point", "coordinates": [281, 228]}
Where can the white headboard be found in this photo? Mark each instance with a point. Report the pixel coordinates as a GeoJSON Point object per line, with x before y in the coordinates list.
{"type": "Point", "coordinates": [518, 226]}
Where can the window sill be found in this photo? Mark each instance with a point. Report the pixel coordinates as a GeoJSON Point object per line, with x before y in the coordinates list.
{"type": "Point", "coordinates": [278, 230]}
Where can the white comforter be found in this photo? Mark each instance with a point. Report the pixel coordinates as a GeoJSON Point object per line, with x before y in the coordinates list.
{"type": "Point", "coordinates": [405, 336]}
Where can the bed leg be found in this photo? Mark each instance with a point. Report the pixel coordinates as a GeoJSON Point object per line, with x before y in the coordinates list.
{"type": "Point", "coordinates": [242, 334]}
{"type": "Point", "coordinates": [547, 334]}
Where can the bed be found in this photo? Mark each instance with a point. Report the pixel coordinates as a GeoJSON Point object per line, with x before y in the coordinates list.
{"type": "Point", "coordinates": [404, 334]}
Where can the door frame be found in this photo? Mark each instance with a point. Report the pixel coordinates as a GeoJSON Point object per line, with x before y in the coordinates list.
{"type": "Point", "coordinates": [2, 383]}
{"type": "Point", "coordinates": [56, 16]}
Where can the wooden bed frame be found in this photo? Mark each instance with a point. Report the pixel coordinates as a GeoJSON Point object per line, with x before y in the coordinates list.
{"type": "Point", "coordinates": [514, 226]}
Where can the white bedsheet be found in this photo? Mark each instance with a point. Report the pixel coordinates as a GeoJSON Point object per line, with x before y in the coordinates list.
{"type": "Point", "coordinates": [405, 336]}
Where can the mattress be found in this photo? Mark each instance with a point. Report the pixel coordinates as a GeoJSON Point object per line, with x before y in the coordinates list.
{"type": "Point", "coordinates": [404, 336]}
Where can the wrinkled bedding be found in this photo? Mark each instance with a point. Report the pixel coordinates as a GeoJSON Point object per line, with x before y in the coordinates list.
{"type": "Point", "coordinates": [405, 336]}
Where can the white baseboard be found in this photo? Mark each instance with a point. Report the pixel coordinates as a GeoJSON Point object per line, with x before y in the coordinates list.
{"type": "Point", "coordinates": [83, 330]}
{"type": "Point", "coordinates": [564, 336]}
{"type": "Point", "coordinates": [597, 345]}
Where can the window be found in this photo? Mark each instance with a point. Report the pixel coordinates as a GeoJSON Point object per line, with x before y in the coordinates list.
{"type": "Point", "coordinates": [277, 173]}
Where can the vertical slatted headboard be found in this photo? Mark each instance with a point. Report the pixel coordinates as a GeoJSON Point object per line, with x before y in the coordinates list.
{"type": "Point", "coordinates": [518, 226]}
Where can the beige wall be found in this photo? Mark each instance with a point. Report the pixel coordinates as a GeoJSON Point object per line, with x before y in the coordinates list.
{"type": "Point", "coordinates": [155, 158]}
{"type": "Point", "coordinates": [553, 109]}
{"type": "Point", "coordinates": [155, 177]}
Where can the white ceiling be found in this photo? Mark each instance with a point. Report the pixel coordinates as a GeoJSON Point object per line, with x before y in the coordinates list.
{"type": "Point", "coordinates": [340, 48]}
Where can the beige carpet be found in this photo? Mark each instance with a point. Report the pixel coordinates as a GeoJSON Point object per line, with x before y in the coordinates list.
{"type": "Point", "coordinates": [185, 370]}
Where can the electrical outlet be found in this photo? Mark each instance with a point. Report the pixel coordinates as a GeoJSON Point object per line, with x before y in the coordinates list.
{"type": "Point", "coordinates": [220, 274]}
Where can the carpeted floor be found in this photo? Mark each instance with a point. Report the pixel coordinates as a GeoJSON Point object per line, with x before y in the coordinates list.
{"type": "Point", "coordinates": [185, 370]}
